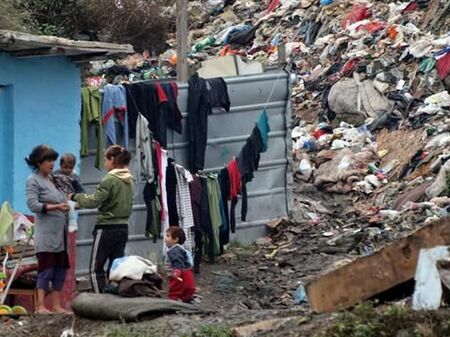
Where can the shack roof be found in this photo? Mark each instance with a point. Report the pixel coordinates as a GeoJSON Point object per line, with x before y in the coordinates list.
{"type": "Point", "coordinates": [28, 45]}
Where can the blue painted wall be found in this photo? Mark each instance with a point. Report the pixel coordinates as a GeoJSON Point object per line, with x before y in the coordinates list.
{"type": "Point", "coordinates": [44, 100]}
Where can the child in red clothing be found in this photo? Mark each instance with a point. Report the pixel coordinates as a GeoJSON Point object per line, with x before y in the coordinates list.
{"type": "Point", "coordinates": [181, 281]}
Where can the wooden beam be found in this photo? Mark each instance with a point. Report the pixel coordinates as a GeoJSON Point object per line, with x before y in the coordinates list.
{"type": "Point", "coordinates": [89, 57]}
{"type": "Point", "coordinates": [18, 39]}
{"type": "Point", "coordinates": [33, 52]}
{"type": "Point", "coordinates": [368, 276]}
{"type": "Point", "coordinates": [182, 41]}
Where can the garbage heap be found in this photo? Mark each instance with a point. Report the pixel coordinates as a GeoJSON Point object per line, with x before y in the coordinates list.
{"type": "Point", "coordinates": [370, 104]}
{"type": "Point", "coordinates": [370, 131]}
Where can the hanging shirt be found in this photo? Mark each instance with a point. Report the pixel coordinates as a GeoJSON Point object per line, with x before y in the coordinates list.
{"type": "Point", "coordinates": [90, 115]}
{"type": "Point", "coordinates": [218, 93]}
{"type": "Point", "coordinates": [174, 116]}
{"type": "Point", "coordinates": [114, 107]}
{"type": "Point", "coordinates": [143, 167]}
{"type": "Point", "coordinates": [214, 211]}
{"type": "Point", "coordinates": [184, 205]}
{"type": "Point", "coordinates": [264, 129]}
{"type": "Point", "coordinates": [164, 210]}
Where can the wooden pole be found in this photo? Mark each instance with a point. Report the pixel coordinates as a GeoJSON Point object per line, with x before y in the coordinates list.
{"type": "Point", "coordinates": [182, 41]}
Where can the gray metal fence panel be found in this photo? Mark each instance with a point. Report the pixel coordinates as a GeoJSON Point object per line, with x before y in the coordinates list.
{"type": "Point", "coordinates": [268, 193]}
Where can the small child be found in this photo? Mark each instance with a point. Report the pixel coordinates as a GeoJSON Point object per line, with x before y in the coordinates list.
{"type": "Point", "coordinates": [181, 281]}
{"type": "Point", "coordinates": [66, 180]}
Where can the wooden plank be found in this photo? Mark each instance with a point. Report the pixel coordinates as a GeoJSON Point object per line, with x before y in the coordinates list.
{"type": "Point", "coordinates": [368, 276]}
{"type": "Point", "coordinates": [182, 41]}
{"type": "Point", "coordinates": [17, 39]}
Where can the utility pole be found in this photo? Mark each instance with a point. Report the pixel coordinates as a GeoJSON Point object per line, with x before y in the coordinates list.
{"type": "Point", "coordinates": [182, 41]}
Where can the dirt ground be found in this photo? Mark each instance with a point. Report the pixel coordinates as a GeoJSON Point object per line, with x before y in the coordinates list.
{"type": "Point", "coordinates": [236, 300]}
{"type": "Point", "coordinates": [246, 286]}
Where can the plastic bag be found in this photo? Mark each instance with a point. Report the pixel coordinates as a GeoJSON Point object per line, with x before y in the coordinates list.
{"type": "Point", "coordinates": [73, 217]}
{"type": "Point", "coordinates": [133, 267]}
{"type": "Point", "coordinates": [23, 227]}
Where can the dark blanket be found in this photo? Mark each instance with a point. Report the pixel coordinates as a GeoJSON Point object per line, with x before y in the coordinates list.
{"type": "Point", "coordinates": [111, 307]}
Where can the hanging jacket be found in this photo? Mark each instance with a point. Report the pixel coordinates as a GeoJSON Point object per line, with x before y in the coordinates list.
{"type": "Point", "coordinates": [143, 167]}
{"type": "Point", "coordinates": [141, 98]}
{"type": "Point", "coordinates": [218, 93]}
{"type": "Point", "coordinates": [174, 116]}
{"type": "Point", "coordinates": [114, 107]}
{"type": "Point", "coordinates": [198, 107]}
{"type": "Point", "coordinates": [90, 115]}
{"type": "Point", "coordinates": [248, 162]}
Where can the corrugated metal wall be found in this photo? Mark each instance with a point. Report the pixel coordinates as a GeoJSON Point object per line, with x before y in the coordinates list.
{"type": "Point", "coordinates": [227, 132]}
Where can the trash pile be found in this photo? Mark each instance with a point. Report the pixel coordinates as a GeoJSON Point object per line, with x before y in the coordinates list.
{"type": "Point", "coordinates": [135, 67]}
{"type": "Point", "coordinates": [370, 125]}
{"type": "Point", "coordinates": [370, 99]}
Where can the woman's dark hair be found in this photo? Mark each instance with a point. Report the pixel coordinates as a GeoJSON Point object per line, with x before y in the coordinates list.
{"type": "Point", "coordinates": [176, 232]}
{"type": "Point", "coordinates": [40, 154]}
{"type": "Point", "coordinates": [121, 156]}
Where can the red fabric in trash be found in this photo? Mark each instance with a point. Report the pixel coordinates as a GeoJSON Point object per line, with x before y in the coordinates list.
{"type": "Point", "coordinates": [412, 6]}
{"type": "Point", "coordinates": [443, 66]}
{"type": "Point", "coordinates": [273, 4]}
{"type": "Point", "coordinates": [349, 67]}
{"type": "Point", "coordinates": [318, 133]}
{"type": "Point", "coordinates": [358, 13]}
{"type": "Point", "coordinates": [182, 290]}
{"type": "Point", "coordinates": [372, 27]}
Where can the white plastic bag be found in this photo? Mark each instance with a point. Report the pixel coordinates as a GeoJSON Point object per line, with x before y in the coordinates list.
{"type": "Point", "coordinates": [133, 267]}
{"type": "Point", "coordinates": [22, 227]}
{"type": "Point", "coordinates": [73, 217]}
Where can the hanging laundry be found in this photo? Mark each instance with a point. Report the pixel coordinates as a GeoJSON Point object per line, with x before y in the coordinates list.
{"type": "Point", "coordinates": [235, 189]}
{"type": "Point", "coordinates": [184, 205]}
{"type": "Point", "coordinates": [225, 186]}
{"type": "Point", "coordinates": [197, 122]}
{"type": "Point", "coordinates": [162, 160]}
{"type": "Point", "coordinates": [152, 194]}
{"type": "Point", "coordinates": [218, 93]}
{"type": "Point", "coordinates": [114, 108]}
{"type": "Point", "coordinates": [248, 162]}
{"type": "Point", "coordinates": [202, 97]}
{"type": "Point", "coordinates": [157, 103]}
{"type": "Point", "coordinates": [207, 226]}
{"type": "Point", "coordinates": [90, 115]}
{"type": "Point", "coordinates": [264, 129]}
{"type": "Point", "coordinates": [214, 210]}
{"type": "Point", "coordinates": [152, 198]}
{"type": "Point", "coordinates": [141, 98]}
{"type": "Point", "coordinates": [143, 167]}
{"type": "Point", "coordinates": [171, 190]}
{"type": "Point", "coordinates": [174, 116]}
{"type": "Point", "coordinates": [195, 189]}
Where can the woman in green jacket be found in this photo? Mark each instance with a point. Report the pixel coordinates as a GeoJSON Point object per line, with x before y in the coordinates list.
{"type": "Point", "coordinates": [114, 200]}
